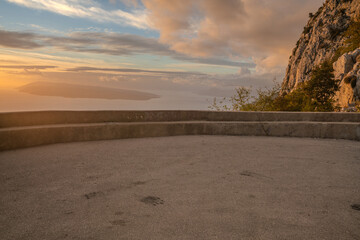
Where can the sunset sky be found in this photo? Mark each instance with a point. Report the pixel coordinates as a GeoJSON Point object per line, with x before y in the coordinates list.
{"type": "Point", "coordinates": [203, 48]}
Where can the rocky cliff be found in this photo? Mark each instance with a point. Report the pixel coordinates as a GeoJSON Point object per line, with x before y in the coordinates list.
{"type": "Point", "coordinates": [329, 36]}
{"type": "Point", "coordinates": [347, 71]}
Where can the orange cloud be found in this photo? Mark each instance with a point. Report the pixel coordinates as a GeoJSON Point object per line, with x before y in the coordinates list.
{"type": "Point", "coordinates": [237, 28]}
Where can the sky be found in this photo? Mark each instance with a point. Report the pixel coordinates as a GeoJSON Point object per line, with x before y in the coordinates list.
{"type": "Point", "coordinates": [202, 48]}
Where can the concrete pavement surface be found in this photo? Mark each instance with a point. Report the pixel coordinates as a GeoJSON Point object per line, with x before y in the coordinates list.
{"type": "Point", "coordinates": [190, 187]}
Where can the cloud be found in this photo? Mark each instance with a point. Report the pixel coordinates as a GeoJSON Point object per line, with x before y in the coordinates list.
{"type": "Point", "coordinates": [10, 61]}
{"type": "Point", "coordinates": [129, 70]}
{"type": "Point", "coordinates": [220, 85]}
{"type": "Point", "coordinates": [88, 9]}
{"type": "Point", "coordinates": [106, 43]}
{"type": "Point", "coordinates": [22, 40]}
{"type": "Point", "coordinates": [128, 3]}
{"type": "Point", "coordinates": [129, 44]}
{"type": "Point", "coordinates": [240, 28]}
{"type": "Point", "coordinates": [27, 67]}
{"type": "Point", "coordinates": [109, 43]}
{"type": "Point", "coordinates": [244, 71]}
{"type": "Point", "coordinates": [205, 31]}
{"type": "Point", "coordinates": [214, 61]}
{"type": "Point", "coordinates": [198, 83]}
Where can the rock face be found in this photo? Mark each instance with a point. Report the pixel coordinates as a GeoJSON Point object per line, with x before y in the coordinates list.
{"type": "Point", "coordinates": [320, 40]}
{"type": "Point", "coordinates": [347, 70]}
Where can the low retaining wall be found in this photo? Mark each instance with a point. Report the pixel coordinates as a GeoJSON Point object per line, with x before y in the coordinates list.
{"type": "Point", "coordinates": [19, 119]}
{"type": "Point", "coordinates": [27, 129]}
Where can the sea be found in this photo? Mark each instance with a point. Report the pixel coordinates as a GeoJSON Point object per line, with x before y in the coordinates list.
{"type": "Point", "coordinates": [11, 100]}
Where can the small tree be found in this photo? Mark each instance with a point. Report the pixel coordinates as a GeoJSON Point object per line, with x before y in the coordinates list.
{"type": "Point", "coordinates": [321, 88]}
{"type": "Point", "coordinates": [242, 100]}
{"type": "Point", "coordinates": [265, 100]}
{"type": "Point", "coordinates": [238, 102]}
{"type": "Point", "coordinates": [296, 101]}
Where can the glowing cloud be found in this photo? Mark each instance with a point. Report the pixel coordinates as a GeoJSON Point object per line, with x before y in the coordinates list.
{"type": "Point", "coordinates": [87, 9]}
{"type": "Point", "coordinates": [232, 28]}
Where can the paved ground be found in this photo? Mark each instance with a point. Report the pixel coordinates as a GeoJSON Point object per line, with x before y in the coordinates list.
{"type": "Point", "coordinates": [193, 187]}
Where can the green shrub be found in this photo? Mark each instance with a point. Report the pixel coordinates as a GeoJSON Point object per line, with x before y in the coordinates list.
{"type": "Point", "coordinates": [352, 42]}
{"type": "Point", "coordinates": [322, 87]}
{"type": "Point", "coordinates": [296, 101]}
{"type": "Point", "coordinates": [353, 35]}
{"type": "Point", "coordinates": [242, 100]}
{"type": "Point", "coordinates": [314, 95]}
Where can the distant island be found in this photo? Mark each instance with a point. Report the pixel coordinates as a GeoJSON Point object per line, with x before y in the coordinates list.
{"type": "Point", "coordinates": [67, 90]}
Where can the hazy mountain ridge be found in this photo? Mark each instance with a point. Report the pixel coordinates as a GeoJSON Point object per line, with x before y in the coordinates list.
{"type": "Point", "coordinates": [322, 39]}
{"type": "Point", "coordinates": [83, 91]}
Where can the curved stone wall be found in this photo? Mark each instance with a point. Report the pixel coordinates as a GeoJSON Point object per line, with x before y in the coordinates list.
{"type": "Point", "coordinates": [19, 119]}
{"type": "Point", "coordinates": [27, 129]}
